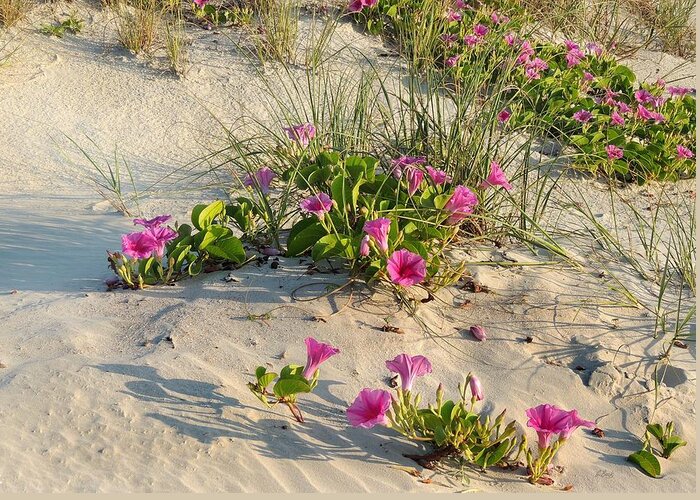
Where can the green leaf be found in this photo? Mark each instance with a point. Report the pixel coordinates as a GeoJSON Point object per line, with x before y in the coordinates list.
{"type": "Point", "coordinates": [303, 235]}
{"type": "Point", "coordinates": [446, 411]}
{"type": "Point", "coordinates": [656, 430]}
{"type": "Point", "coordinates": [647, 462]}
{"type": "Point", "coordinates": [331, 245]}
{"type": "Point", "coordinates": [266, 379]}
{"type": "Point", "coordinates": [260, 371]}
{"type": "Point", "coordinates": [206, 215]}
{"type": "Point", "coordinates": [230, 249]}
{"type": "Point", "coordinates": [288, 386]}
{"type": "Point", "coordinates": [439, 436]}
{"type": "Point", "coordinates": [671, 444]}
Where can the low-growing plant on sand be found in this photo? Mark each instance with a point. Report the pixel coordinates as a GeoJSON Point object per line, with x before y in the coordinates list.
{"type": "Point", "coordinates": [160, 254]}
{"type": "Point", "coordinates": [223, 15]}
{"type": "Point", "coordinates": [666, 439]}
{"type": "Point", "coordinates": [137, 23]}
{"type": "Point", "coordinates": [292, 379]}
{"type": "Point", "coordinates": [73, 24]}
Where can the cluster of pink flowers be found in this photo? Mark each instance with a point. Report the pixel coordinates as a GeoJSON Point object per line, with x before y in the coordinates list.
{"type": "Point", "coordinates": [534, 66]}
{"type": "Point", "coordinates": [583, 116]}
{"type": "Point", "coordinates": [302, 134]}
{"type": "Point", "coordinates": [477, 36]}
{"type": "Point", "coordinates": [574, 54]}
{"type": "Point", "coordinates": [149, 242]}
{"type": "Point", "coordinates": [684, 153]}
{"type": "Point", "coordinates": [614, 152]}
{"type": "Point", "coordinates": [260, 179]}
{"type": "Point", "coordinates": [453, 16]}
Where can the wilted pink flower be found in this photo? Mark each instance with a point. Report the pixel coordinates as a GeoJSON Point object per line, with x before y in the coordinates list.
{"type": "Point", "coordinates": [614, 153]}
{"type": "Point", "coordinates": [369, 408]}
{"type": "Point", "coordinates": [509, 38]}
{"type": "Point", "coordinates": [451, 61]}
{"type": "Point", "coordinates": [679, 91]}
{"type": "Point", "coordinates": [318, 205]}
{"type": "Point", "coordinates": [139, 245]}
{"type": "Point", "coordinates": [316, 353]}
{"type": "Point", "coordinates": [270, 251]}
{"type": "Point", "coordinates": [154, 222]}
{"type": "Point", "coordinates": [480, 30]}
{"type": "Point", "coordinates": [533, 68]}
{"type": "Point", "coordinates": [588, 77]}
{"type": "Point", "coordinates": [478, 332]}
{"type": "Point", "coordinates": [399, 164]}
{"type": "Point", "coordinates": [301, 134]}
{"type": "Point", "coordinates": [200, 3]}
{"type": "Point", "coordinates": [409, 368]}
{"type": "Point", "coordinates": [583, 116]}
{"type": "Point", "coordinates": [437, 176]}
{"type": "Point", "coordinates": [549, 420]}
{"type": "Point", "coordinates": [378, 229]}
{"type": "Point", "coordinates": [476, 389]}
{"type": "Point", "coordinates": [453, 16]}
{"type": "Point", "coordinates": [645, 114]}
{"type": "Point", "coordinates": [471, 40]}
{"type": "Point", "coordinates": [660, 82]}
{"type": "Point", "coordinates": [162, 235]}
{"type": "Point", "coordinates": [683, 152]}
{"type": "Point", "coordinates": [657, 102]}
{"type": "Point", "coordinates": [610, 96]}
{"type": "Point", "coordinates": [364, 246]}
{"type": "Point", "coordinates": [449, 39]}
{"type": "Point", "coordinates": [406, 268]}
{"type": "Point", "coordinates": [358, 5]}
{"type": "Point", "coordinates": [496, 177]}
{"type": "Point", "coordinates": [503, 115]}
{"type": "Point", "coordinates": [460, 204]}
{"type": "Point", "coordinates": [616, 118]}
{"type": "Point", "coordinates": [414, 177]}
{"type": "Point", "coordinates": [262, 179]}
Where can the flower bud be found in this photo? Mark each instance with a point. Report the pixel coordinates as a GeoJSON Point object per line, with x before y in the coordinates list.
{"type": "Point", "coordinates": [476, 388]}
{"type": "Point", "coordinates": [439, 394]}
{"type": "Point", "coordinates": [364, 246]}
{"type": "Point", "coordinates": [478, 332]}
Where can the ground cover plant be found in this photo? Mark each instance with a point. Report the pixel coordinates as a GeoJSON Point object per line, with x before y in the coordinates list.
{"type": "Point", "coordinates": [575, 92]}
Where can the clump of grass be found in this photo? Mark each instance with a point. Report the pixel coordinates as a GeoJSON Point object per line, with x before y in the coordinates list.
{"type": "Point", "coordinates": [176, 43]}
{"type": "Point", "coordinates": [278, 27]}
{"type": "Point", "coordinates": [73, 24]}
{"type": "Point", "coordinates": [137, 23]}
{"type": "Point", "coordinates": [12, 11]}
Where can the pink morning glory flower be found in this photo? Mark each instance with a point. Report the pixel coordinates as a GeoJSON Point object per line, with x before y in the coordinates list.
{"type": "Point", "coordinates": [503, 115]}
{"type": "Point", "coordinates": [461, 4]}
{"type": "Point", "coordinates": [414, 177]}
{"type": "Point", "coordinates": [318, 205]}
{"type": "Point", "coordinates": [451, 61]}
{"type": "Point", "coordinates": [594, 48]}
{"type": "Point", "coordinates": [480, 30]}
{"type": "Point", "coordinates": [496, 177]}
{"type": "Point", "coordinates": [301, 134]}
{"type": "Point", "coordinates": [574, 57]}
{"type": "Point", "coordinates": [616, 118]}
{"type": "Point", "coordinates": [406, 268]}
{"type": "Point", "coordinates": [614, 153]}
{"type": "Point", "coordinates": [460, 204]}
{"type": "Point", "coordinates": [453, 16]}
{"type": "Point", "coordinates": [583, 116]}
{"type": "Point", "coordinates": [549, 420]}
{"type": "Point", "coordinates": [139, 245]}
{"type": "Point", "coordinates": [358, 5]}
{"type": "Point", "coordinates": [679, 91]}
{"type": "Point", "coordinates": [683, 152]}
{"type": "Point", "coordinates": [588, 77]}
{"type": "Point", "coordinates": [201, 3]}
{"type": "Point", "coordinates": [378, 229]}
{"type": "Point", "coordinates": [478, 332]}
{"type": "Point", "coordinates": [449, 39]}
{"type": "Point", "coordinates": [409, 368]}
{"type": "Point", "coordinates": [399, 164]}
{"type": "Point", "coordinates": [509, 38]}
{"type": "Point", "coordinates": [526, 51]}
{"type": "Point", "coordinates": [438, 177]}
{"type": "Point", "coordinates": [364, 246]}
{"type": "Point", "coordinates": [570, 45]}
{"type": "Point", "coordinates": [316, 353]}
{"type": "Point", "coordinates": [369, 408]}
{"type": "Point", "coordinates": [643, 96]}
{"type": "Point", "coordinates": [476, 388]}
{"type": "Point", "coordinates": [645, 114]}
{"type": "Point", "coordinates": [162, 236]}
{"type": "Point", "coordinates": [154, 222]}
{"type": "Point", "coordinates": [623, 107]}
{"type": "Point", "coordinates": [497, 18]}
{"type": "Point", "coordinates": [262, 179]}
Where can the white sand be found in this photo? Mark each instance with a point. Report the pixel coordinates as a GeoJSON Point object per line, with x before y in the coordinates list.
{"type": "Point", "coordinates": [93, 397]}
